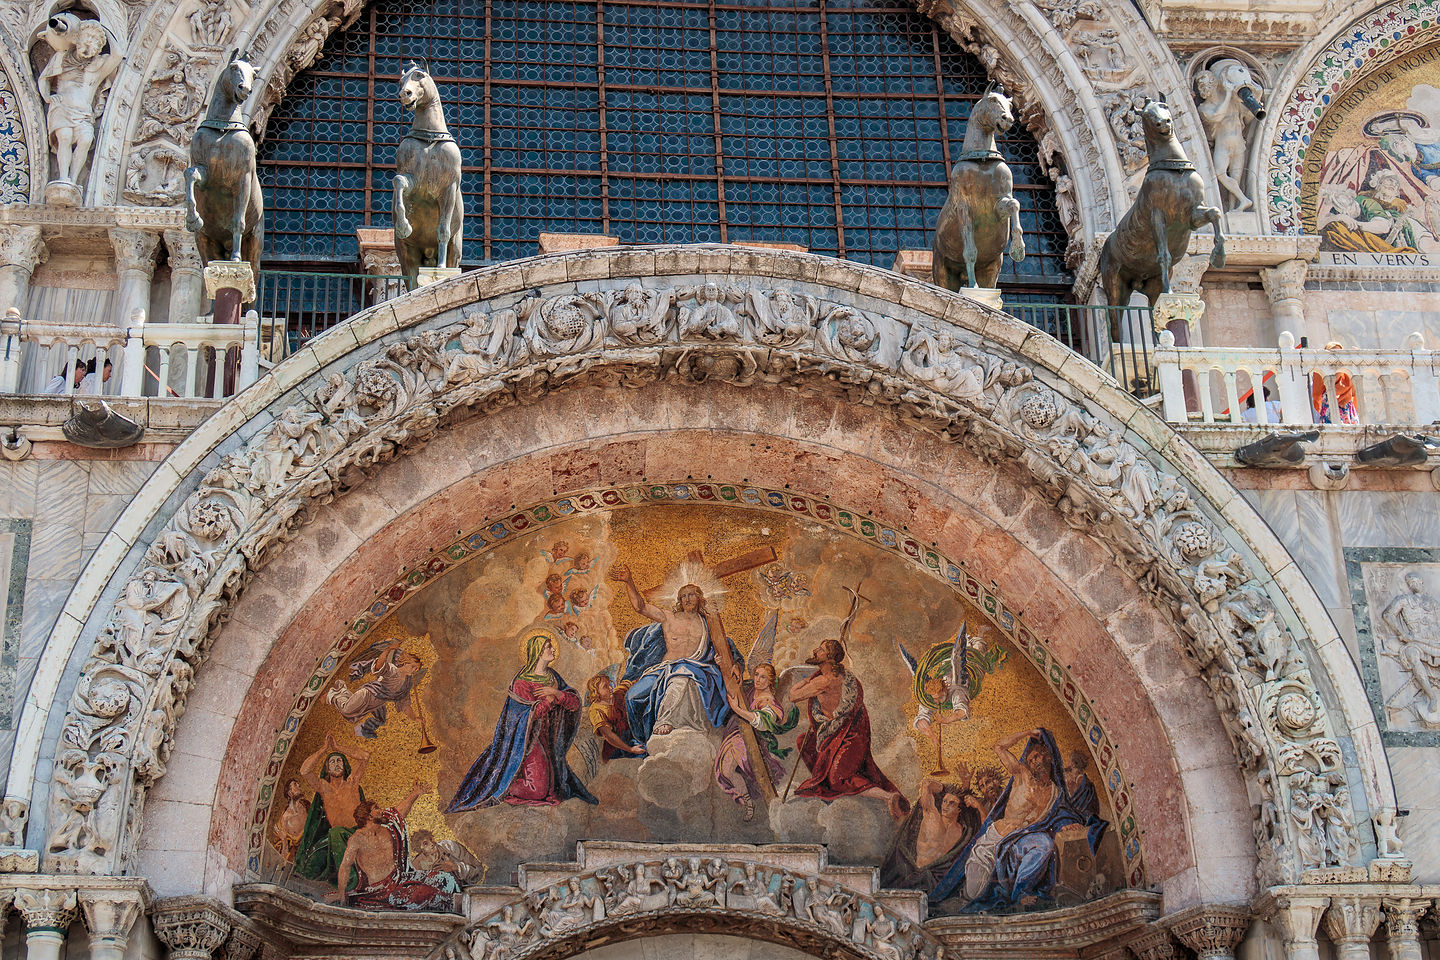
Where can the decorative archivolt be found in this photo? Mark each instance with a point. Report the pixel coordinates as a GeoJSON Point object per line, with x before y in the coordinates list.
{"type": "Point", "coordinates": [533, 334]}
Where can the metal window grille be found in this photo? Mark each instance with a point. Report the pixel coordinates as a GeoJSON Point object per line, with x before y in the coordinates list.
{"type": "Point", "coordinates": [829, 123]}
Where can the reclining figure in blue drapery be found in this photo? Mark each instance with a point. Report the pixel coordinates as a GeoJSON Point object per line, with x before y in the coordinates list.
{"type": "Point", "coordinates": [1013, 860]}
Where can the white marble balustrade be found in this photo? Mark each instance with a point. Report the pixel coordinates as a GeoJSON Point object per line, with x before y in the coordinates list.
{"type": "Point", "coordinates": [1391, 386]}
{"type": "Point", "coordinates": [163, 359]}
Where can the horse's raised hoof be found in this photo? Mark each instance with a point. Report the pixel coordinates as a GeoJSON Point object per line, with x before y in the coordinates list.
{"type": "Point", "coordinates": [193, 223]}
{"type": "Point", "coordinates": [1017, 250]}
{"type": "Point", "coordinates": [402, 228]}
{"type": "Point", "coordinates": [1217, 258]}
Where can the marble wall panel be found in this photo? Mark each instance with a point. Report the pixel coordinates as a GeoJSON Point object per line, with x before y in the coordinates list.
{"type": "Point", "coordinates": [1395, 596]}
{"type": "Point", "coordinates": [1414, 772]}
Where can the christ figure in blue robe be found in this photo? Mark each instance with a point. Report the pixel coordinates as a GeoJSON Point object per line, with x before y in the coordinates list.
{"type": "Point", "coordinates": [1013, 862]}
{"type": "Point", "coordinates": [671, 677]}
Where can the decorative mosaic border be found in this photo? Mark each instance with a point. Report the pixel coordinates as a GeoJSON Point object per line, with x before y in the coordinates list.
{"type": "Point", "coordinates": [410, 582]}
{"type": "Point", "coordinates": [1375, 39]}
{"type": "Point", "coordinates": [14, 615]}
{"type": "Point", "coordinates": [1369, 664]}
{"type": "Point", "coordinates": [14, 154]}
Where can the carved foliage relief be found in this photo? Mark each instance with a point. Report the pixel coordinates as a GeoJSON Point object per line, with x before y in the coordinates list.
{"type": "Point", "coordinates": [116, 739]}
{"type": "Point", "coordinates": [14, 151]}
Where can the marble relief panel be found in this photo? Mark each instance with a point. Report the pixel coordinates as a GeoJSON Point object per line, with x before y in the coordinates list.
{"type": "Point", "coordinates": [1395, 595]}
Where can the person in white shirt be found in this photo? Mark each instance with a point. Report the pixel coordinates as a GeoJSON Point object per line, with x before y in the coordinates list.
{"type": "Point", "coordinates": [94, 382]}
{"type": "Point", "coordinates": [56, 386]}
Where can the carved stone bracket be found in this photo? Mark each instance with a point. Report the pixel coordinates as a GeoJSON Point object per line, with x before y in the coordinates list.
{"type": "Point", "coordinates": [1212, 932]}
{"type": "Point", "coordinates": [116, 739]}
{"type": "Point", "coordinates": [230, 275]}
{"type": "Point", "coordinates": [191, 927]}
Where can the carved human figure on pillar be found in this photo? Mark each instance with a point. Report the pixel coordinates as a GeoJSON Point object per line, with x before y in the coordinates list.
{"type": "Point", "coordinates": [1413, 622]}
{"type": "Point", "coordinates": [71, 84]}
{"type": "Point", "coordinates": [1228, 99]}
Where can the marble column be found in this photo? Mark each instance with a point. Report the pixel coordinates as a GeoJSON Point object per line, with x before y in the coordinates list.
{"type": "Point", "coordinates": [1402, 926]}
{"type": "Point", "coordinates": [1297, 919]}
{"type": "Point", "coordinates": [1285, 286]}
{"type": "Point", "coordinates": [1212, 932]}
{"type": "Point", "coordinates": [186, 275]}
{"type": "Point", "coordinates": [191, 927]}
{"type": "Point", "coordinates": [110, 915]}
{"type": "Point", "coordinates": [134, 269]}
{"type": "Point", "coordinates": [1350, 922]}
{"type": "Point", "coordinates": [22, 249]}
{"type": "Point", "coordinates": [48, 915]}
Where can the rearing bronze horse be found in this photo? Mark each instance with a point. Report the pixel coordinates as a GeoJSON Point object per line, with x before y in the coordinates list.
{"type": "Point", "coordinates": [1155, 231]}
{"type": "Point", "coordinates": [981, 215]}
{"type": "Point", "coordinates": [223, 204]}
{"type": "Point", "coordinates": [429, 210]}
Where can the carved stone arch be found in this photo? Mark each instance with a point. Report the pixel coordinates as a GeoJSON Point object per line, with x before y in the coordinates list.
{"type": "Point", "coordinates": [223, 504]}
{"type": "Point", "coordinates": [1366, 38]}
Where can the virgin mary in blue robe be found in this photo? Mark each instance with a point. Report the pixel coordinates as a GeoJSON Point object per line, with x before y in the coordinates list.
{"type": "Point", "coordinates": [1027, 862]}
{"type": "Point", "coordinates": [525, 763]}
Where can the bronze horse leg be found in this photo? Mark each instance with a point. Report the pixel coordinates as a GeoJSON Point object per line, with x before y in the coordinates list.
{"type": "Point", "coordinates": [402, 221]}
{"type": "Point", "coordinates": [446, 204]}
{"type": "Point", "coordinates": [193, 221]}
{"type": "Point", "coordinates": [1162, 248]}
{"type": "Point", "coordinates": [237, 225]}
{"type": "Point", "coordinates": [1202, 215]}
{"type": "Point", "coordinates": [1017, 236]}
{"type": "Point", "coordinates": [967, 240]}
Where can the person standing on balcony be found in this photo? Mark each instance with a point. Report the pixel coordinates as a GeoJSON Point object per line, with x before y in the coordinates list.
{"type": "Point", "coordinates": [56, 386]}
{"type": "Point", "coordinates": [94, 382]}
{"type": "Point", "coordinates": [1344, 394]}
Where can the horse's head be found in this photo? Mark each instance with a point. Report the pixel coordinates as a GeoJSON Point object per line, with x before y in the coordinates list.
{"type": "Point", "coordinates": [1159, 124]}
{"type": "Point", "coordinates": [416, 87]}
{"type": "Point", "coordinates": [994, 111]}
{"type": "Point", "coordinates": [237, 79]}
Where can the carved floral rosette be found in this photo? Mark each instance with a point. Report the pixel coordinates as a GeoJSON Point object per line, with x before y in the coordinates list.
{"type": "Point", "coordinates": [397, 391]}
{"type": "Point", "coordinates": [802, 909]}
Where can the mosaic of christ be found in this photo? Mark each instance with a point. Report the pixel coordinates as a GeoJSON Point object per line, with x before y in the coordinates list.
{"type": "Point", "coordinates": [690, 673]}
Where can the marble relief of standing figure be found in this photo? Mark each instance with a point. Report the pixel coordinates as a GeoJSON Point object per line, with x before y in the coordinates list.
{"type": "Point", "coordinates": [71, 84]}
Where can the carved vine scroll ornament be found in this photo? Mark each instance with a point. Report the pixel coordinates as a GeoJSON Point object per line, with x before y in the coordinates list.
{"type": "Point", "coordinates": [810, 910]}
{"type": "Point", "coordinates": [116, 739]}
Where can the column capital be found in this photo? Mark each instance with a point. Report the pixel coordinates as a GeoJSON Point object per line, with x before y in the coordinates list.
{"type": "Point", "coordinates": [1156, 943]}
{"type": "Point", "coordinates": [230, 275]}
{"type": "Point", "coordinates": [134, 249]}
{"type": "Point", "coordinates": [192, 927]}
{"type": "Point", "coordinates": [1187, 273]}
{"type": "Point", "coordinates": [1285, 281]}
{"type": "Point", "coordinates": [1352, 919]}
{"type": "Point", "coordinates": [180, 247]}
{"type": "Point", "coordinates": [243, 943]}
{"type": "Point", "coordinates": [46, 908]}
{"type": "Point", "coordinates": [22, 246]}
{"type": "Point", "coordinates": [1296, 917]}
{"type": "Point", "coordinates": [1211, 931]}
{"type": "Point", "coordinates": [109, 916]}
{"type": "Point", "coordinates": [1402, 917]}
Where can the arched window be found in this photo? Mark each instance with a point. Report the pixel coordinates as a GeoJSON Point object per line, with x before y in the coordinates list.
{"type": "Point", "coordinates": [829, 124]}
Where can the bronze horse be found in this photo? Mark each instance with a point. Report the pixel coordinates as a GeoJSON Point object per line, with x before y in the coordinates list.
{"type": "Point", "coordinates": [1155, 231]}
{"type": "Point", "coordinates": [429, 210]}
{"type": "Point", "coordinates": [223, 204]}
{"type": "Point", "coordinates": [981, 217]}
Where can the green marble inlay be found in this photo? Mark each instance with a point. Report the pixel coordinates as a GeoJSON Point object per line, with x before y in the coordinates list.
{"type": "Point", "coordinates": [19, 531]}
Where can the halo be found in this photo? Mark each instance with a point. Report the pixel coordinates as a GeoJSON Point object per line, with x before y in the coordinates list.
{"type": "Point", "coordinates": [697, 573]}
{"type": "Point", "coordinates": [538, 630]}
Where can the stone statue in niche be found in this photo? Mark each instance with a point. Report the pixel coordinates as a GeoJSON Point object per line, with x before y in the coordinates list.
{"type": "Point", "coordinates": [1228, 98]}
{"type": "Point", "coordinates": [86, 57]}
{"type": "Point", "coordinates": [1155, 232]}
{"type": "Point", "coordinates": [981, 219]}
{"type": "Point", "coordinates": [429, 210]}
{"type": "Point", "coordinates": [224, 206]}
{"type": "Point", "coordinates": [1412, 637]}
